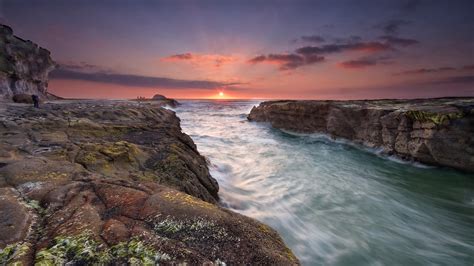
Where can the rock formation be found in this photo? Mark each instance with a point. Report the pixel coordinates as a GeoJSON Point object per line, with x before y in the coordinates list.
{"type": "Point", "coordinates": [105, 182]}
{"type": "Point", "coordinates": [24, 66]}
{"type": "Point", "coordinates": [160, 100]}
{"type": "Point", "coordinates": [432, 131]}
{"type": "Point", "coordinates": [109, 182]}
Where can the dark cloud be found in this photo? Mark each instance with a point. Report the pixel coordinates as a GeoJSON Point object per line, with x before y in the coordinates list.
{"type": "Point", "coordinates": [396, 41]}
{"type": "Point", "coordinates": [312, 38]}
{"type": "Point", "coordinates": [426, 71]}
{"type": "Point", "coordinates": [185, 56]}
{"type": "Point", "coordinates": [366, 61]}
{"type": "Point", "coordinates": [468, 67]}
{"type": "Point", "coordinates": [287, 61]}
{"type": "Point", "coordinates": [307, 55]}
{"type": "Point", "coordinates": [136, 80]}
{"type": "Point", "coordinates": [84, 67]}
{"type": "Point", "coordinates": [457, 80]}
{"type": "Point", "coordinates": [356, 64]}
{"type": "Point", "coordinates": [338, 48]}
{"type": "Point", "coordinates": [392, 27]}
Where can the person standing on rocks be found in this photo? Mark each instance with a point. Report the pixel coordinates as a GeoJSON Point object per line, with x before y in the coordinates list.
{"type": "Point", "coordinates": [35, 99]}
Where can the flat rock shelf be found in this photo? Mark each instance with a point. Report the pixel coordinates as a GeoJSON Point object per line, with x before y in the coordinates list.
{"type": "Point", "coordinates": [432, 131]}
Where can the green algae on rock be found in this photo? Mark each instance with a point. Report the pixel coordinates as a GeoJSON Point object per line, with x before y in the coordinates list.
{"type": "Point", "coordinates": [143, 193]}
{"type": "Point", "coordinates": [109, 182]}
{"type": "Point", "coordinates": [82, 249]}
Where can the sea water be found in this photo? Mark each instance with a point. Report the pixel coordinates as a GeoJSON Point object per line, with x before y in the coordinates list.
{"type": "Point", "coordinates": [334, 203]}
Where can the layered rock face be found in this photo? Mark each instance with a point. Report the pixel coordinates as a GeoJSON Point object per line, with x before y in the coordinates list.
{"type": "Point", "coordinates": [102, 182]}
{"type": "Point", "coordinates": [432, 131]}
{"type": "Point", "coordinates": [24, 66]}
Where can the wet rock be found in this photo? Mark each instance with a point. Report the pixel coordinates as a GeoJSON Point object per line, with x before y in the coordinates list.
{"type": "Point", "coordinates": [15, 218]}
{"type": "Point", "coordinates": [112, 212]}
{"type": "Point", "coordinates": [115, 182]}
{"type": "Point", "coordinates": [139, 142]}
{"type": "Point", "coordinates": [433, 131]}
{"type": "Point", "coordinates": [109, 182]}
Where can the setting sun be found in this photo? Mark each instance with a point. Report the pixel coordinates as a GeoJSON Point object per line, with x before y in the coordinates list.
{"type": "Point", "coordinates": [221, 94]}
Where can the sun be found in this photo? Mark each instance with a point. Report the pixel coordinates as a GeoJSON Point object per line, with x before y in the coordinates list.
{"type": "Point", "coordinates": [221, 94]}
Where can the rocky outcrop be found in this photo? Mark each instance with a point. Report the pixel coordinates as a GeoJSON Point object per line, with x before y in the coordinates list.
{"type": "Point", "coordinates": [24, 66]}
{"type": "Point", "coordinates": [160, 100]}
{"type": "Point", "coordinates": [167, 101]}
{"type": "Point", "coordinates": [432, 131]}
{"type": "Point", "coordinates": [115, 182]}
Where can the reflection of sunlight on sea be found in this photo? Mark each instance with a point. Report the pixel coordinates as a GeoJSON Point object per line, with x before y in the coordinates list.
{"type": "Point", "coordinates": [334, 202]}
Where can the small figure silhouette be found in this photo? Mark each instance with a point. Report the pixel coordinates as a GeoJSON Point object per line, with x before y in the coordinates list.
{"type": "Point", "coordinates": [35, 99]}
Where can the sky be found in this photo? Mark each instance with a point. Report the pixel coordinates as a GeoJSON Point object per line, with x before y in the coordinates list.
{"type": "Point", "coordinates": [334, 49]}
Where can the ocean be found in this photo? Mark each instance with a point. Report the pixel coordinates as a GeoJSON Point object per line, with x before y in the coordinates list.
{"type": "Point", "coordinates": [334, 203]}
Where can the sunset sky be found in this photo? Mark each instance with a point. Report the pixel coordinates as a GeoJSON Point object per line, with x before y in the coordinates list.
{"type": "Point", "coordinates": [253, 49]}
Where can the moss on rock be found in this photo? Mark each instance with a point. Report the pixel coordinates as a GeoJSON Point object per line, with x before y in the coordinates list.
{"type": "Point", "coordinates": [13, 253]}
{"type": "Point", "coordinates": [84, 250]}
{"type": "Point", "coordinates": [436, 118]}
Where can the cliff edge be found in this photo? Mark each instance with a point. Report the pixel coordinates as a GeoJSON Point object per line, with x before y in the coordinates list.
{"type": "Point", "coordinates": [432, 131]}
{"type": "Point", "coordinates": [24, 66]}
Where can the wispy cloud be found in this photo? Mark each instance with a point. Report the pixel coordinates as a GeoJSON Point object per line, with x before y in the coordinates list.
{"type": "Point", "coordinates": [397, 41]}
{"type": "Point", "coordinates": [308, 55]}
{"type": "Point", "coordinates": [214, 60]}
{"type": "Point", "coordinates": [287, 61]}
{"type": "Point", "coordinates": [457, 79]}
{"type": "Point", "coordinates": [359, 63]}
{"type": "Point", "coordinates": [366, 61]}
{"type": "Point", "coordinates": [339, 48]}
{"type": "Point", "coordinates": [419, 71]}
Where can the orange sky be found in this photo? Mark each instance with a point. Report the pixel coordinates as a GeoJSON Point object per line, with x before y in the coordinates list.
{"type": "Point", "coordinates": [252, 49]}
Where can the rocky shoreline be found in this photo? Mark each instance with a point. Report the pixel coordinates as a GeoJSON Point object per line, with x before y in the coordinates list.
{"type": "Point", "coordinates": [108, 182]}
{"type": "Point", "coordinates": [431, 131]}
{"type": "Point", "coordinates": [112, 182]}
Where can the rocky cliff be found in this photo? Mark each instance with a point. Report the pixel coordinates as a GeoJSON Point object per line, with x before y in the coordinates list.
{"type": "Point", "coordinates": [102, 182]}
{"type": "Point", "coordinates": [24, 66]}
{"type": "Point", "coordinates": [432, 131]}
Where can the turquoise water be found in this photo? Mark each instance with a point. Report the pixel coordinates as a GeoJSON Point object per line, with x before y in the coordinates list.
{"type": "Point", "coordinates": [334, 203]}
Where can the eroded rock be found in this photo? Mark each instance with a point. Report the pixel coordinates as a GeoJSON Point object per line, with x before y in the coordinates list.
{"type": "Point", "coordinates": [433, 131]}
{"type": "Point", "coordinates": [24, 66]}
{"type": "Point", "coordinates": [114, 183]}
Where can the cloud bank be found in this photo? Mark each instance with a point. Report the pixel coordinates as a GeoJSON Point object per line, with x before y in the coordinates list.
{"type": "Point", "coordinates": [92, 73]}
